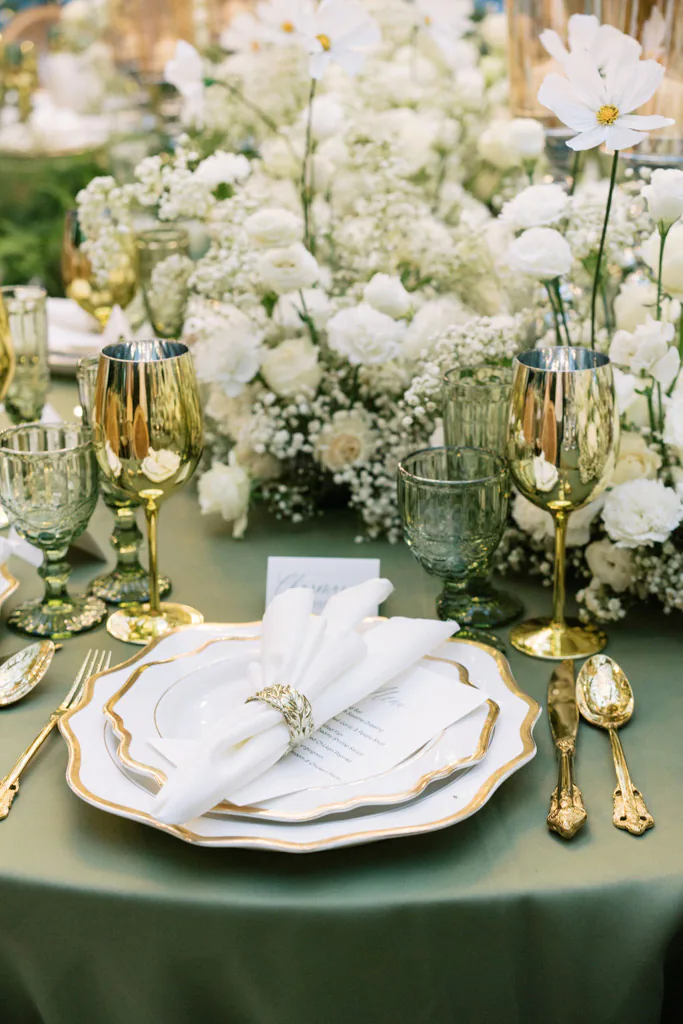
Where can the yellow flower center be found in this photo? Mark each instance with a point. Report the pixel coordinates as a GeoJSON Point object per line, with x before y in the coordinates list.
{"type": "Point", "coordinates": [287, 26]}
{"type": "Point", "coordinates": [255, 46]}
{"type": "Point", "coordinates": [607, 114]}
{"type": "Point", "coordinates": [428, 20]}
{"type": "Point", "coordinates": [324, 42]}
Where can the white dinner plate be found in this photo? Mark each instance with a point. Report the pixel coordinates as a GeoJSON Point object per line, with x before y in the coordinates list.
{"type": "Point", "coordinates": [99, 779]}
{"type": "Point", "coordinates": [177, 698]}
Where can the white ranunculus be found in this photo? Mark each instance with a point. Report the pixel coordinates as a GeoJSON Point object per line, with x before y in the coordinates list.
{"type": "Point", "coordinates": [672, 266]}
{"type": "Point", "coordinates": [635, 460]}
{"type": "Point", "coordinates": [223, 169]}
{"type": "Point", "coordinates": [527, 137]}
{"type": "Point", "coordinates": [364, 336]}
{"type": "Point", "coordinates": [647, 350]}
{"type": "Point", "coordinates": [430, 321]}
{"type": "Point", "coordinates": [640, 513]}
{"type": "Point", "coordinates": [637, 299]}
{"type": "Point", "coordinates": [288, 269]}
{"type": "Point", "coordinates": [664, 196]}
{"type": "Point", "coordinates": [540, 525]}
{"type": "Point", "coordinates": [347, 440]}
{"type": "Point", "coordinates": [289, 308]}
{"type": "Point", "coordinates": [160, 465]}
{"type": "Point", "coordinates": [673, 422]}
{"type": "Point", "coordinates": [536, 206]}
{"type": "Point", "coordinates": [292, 368]}
{"type": "Point", "coordinates": [273, 228]}
{"type": "Point", "coordinates": [541, 253]}
{"type": "Point", "coordinates": [387, 294]}
{"type": "Point", "coordinates": [226, 489]}
{"type": "Point", "coordinates": [610, 565]}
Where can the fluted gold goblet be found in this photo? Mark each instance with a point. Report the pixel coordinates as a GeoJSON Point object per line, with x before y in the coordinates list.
{"type": "Point", "coordinates": [562, 447]}
{"type": "Point", "coordinates": [148, 433]}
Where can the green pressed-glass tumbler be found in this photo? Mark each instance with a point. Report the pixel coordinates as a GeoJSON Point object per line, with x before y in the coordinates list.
{"type": "Point", "coordinates": [48, 487]}
{"type": "Point", "coordinates": [27, 317]}
{"type": "Point", "coordinates": [454, 505]}
{"type": "Point", "coordinates": [476, 407]}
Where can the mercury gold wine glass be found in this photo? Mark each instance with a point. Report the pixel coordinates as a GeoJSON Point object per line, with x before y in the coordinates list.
{"type": "Point", "coordinates": [48, 487]}
{"type": "Point", "coordinates": [96, 296]}
{"type": "Point", "coordinates": [128, 583]}
{"type": "Point", "coordinates": [454, 505]}
{"type": "Point", "coordinates": [562, 445]}
{"type": "Point", "coordinates": [163, 255]}
{"type": "Point", "coordinates": [148, 436]}
{"type": "Point", "coordinates": [26, 310]}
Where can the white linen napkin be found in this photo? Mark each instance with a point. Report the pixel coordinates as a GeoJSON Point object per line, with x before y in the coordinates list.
{"type": "Point", "coordinates": [328, 659]}
{"type": "Point", "coordinates": [73, 332]}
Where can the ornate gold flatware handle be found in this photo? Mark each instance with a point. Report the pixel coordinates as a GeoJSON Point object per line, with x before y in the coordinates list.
{"type": "Point", "coordinates": [567, 812]}
{"type": "Point", "coordinates": [10, 784]}
{"type": "Point", "coordinates": [630, 812]}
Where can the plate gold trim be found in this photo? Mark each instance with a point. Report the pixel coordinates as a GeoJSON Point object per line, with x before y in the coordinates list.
{"type": "Point", "coordinates": [188, 836]}
{"type": "Point", "coordinates": [11, 580]}
{"type": "Point", "coordinates": [125, 740]}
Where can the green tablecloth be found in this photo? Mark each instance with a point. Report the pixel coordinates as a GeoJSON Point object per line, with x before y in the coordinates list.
{"type": "Point", "coordinates": [494, 920]}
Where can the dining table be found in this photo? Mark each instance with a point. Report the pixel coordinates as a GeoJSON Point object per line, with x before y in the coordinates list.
{"type": "Point", "coordinates": [492, 921]}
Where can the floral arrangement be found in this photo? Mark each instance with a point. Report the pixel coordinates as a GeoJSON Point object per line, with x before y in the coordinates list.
{"type": "Point", "coordinates": [364, 215]}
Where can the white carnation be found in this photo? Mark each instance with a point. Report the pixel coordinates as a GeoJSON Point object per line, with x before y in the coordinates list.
{"type": "Point", "coordinates": [387, 295]}
{"type": "Point", "coordinates": [288, 269]}
{"type": "Point", "coordinates": [229, 355]}
{"type": "Point", "coordinates": [273, 229]}
{"type": "Point", "coordinates": [290, 308]}
{"type": "Point", "coordinates": [536, 206]}
{"type": "Point", "coordinates": [364, 336]}
{"type": "Point", "coordinates": [541, 253]}
{"type": "Point", "coordinates": [609, 564]}
{"type": "Point", "coordinates": [292, 368]}
{"type": "Point", "coordinates": [641, 513]}
{"type": "Point", "coordinates": [540, 525]}
{"type": "Point", "coordinates": [647, 350]}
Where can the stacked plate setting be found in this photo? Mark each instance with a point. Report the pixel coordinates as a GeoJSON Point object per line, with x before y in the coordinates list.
{"type": "Point", "coordinates": [181, 682]}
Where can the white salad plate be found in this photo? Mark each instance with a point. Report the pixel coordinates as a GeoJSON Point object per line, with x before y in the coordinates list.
{"type": "Point", "coordinates": [96, 775]}
{"type": "Point", "coordinates": [173, 700]}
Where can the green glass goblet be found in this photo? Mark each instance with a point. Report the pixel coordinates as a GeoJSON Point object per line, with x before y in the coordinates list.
{"type": "Point", "coordinates": [454, 505]}
{"type": "Point", "coordinates": [27, 315]}
{"type": "Point", "coordinates": [48, 487]}
{"type": "Point", "coordinates": [476, 407]}
{"type": "Point", "coordinates": [128, 583]}
{"type": "Point", "coordinates": [165, 265]}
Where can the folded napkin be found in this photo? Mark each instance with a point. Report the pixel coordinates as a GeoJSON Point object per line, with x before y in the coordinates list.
{"type": "Point", "coordinates": [328, 658]}
{"type": "Point", "coordinates": [73, 332]}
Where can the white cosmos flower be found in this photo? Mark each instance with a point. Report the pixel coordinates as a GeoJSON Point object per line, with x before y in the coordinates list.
{"type": "Point", "coordinates": [280, 17]}
{"type": "Point", "coordinates": [664, 196]}
{"type": "Point", "coordinates": [541, 253]}
{"type": "Point", "coordinates": [341, 31]}
{"type": "Point", "coordinates": [601, 44]}
{"type": "Point", "coordinates": [244, 34]}
{"type": "Point", "coordinates": [536, 206]}
{"type": "Point", "coordinates": [599, 108]}
{"type": "Point", "coordinates": [185, 71]}
{"type": "Point", "coordinates": [445, 21]}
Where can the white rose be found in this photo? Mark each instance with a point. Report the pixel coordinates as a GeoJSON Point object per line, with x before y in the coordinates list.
{"type": "Point", "coordinates": [542, 253]}
{"type": "Point", "coordinates": [273, 229]}
{"type": "Point", "coordinates": [527, 137]}
{"type": "Point", "coordinates": [673, 422]}
{"type": "Point", "coordinates": [288, 269]}
{"type": "Point", "coordinates": [226, 489]}
{"type": "Point", "coordinates": [113, 461]}
{"type": "Point", "coordinates": [536, 206]}
{"type": "Point", "coordinates": [610, 564]}
{"type": "Point", "coordinates": [641, 513]}
{"type": "Point", "coordinates": [364, 336]}
{"type": "Point", "coordinates": [387, 295]}
{"type": "Point", "coordinates": [292, 368]}
{"type": "Point", "coordinates": [637, 299]}
{"type": "Point", "coordinates": [541, 526]}
{"type": "Point", "coordinates": [289, 308]}
{"type": "Point", "coordinates": [664, 196]}
{"type": "Point", "coordinates": [347, 440]}
{"type": "Point", "coordinates": [672, 266]}
{"type": "Point", "coordinates": [223, 169]}
{"type": "Point", "coordinates": [431, 321]}
{"type": "Point", "coordinates": [635, 460]}
{"type": "Point", "coordinates": [160, 465]}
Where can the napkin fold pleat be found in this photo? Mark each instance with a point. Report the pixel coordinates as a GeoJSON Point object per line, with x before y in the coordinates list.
{"type": "Point", "coordinates": [326, 658]}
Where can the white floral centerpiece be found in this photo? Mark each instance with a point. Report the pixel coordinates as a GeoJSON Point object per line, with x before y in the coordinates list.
{"type": "Point", "coordinates": [369, 215]}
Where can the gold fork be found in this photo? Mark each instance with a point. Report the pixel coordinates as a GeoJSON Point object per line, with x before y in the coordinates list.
{"type": "Point", "coordinates": [95, 661]}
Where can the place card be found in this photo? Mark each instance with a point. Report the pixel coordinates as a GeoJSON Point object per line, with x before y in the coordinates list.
{"type": "Point", "coordinates": [326, 576]}
{"type": "Point", "coordinates": [370, 737]}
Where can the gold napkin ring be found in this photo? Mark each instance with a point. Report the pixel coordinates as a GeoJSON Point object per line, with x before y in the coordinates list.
{"type": "Point", "coordinates": [294, 707]}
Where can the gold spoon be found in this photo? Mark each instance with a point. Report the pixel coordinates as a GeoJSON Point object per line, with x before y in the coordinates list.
{"type": "Point", "coordinates": [605, 699]}
{"type": "Point", "coordinates": [22, 671]}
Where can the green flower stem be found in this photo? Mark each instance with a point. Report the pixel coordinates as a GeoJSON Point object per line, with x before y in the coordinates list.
{"type": "Point", "coordinates": [598, 267]}
{"type": "Point", "coordinates": [308, 319]}
{"type": "Point", "coordinates": [560, 305]}
{"type": "Point", "coordinates": [680, 334]}
{"type": "Point", "coordinates": [663, 232]}
{"type": "Point", "coordinates": [651, 410]}
{"type": "Point", "coordinates": [306, 183]}
{"type": "Point", "coordinates": [556, 315]}
{"type": "Point", "coordinates": [576, 165]}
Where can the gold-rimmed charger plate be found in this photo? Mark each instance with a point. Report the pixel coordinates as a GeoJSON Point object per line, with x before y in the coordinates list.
{"type": "Point", "coordinates": [96, 778]}
{"type": "Point", "coordinates": [133, 713]}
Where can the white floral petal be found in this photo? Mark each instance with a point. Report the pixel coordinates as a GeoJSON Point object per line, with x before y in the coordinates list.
{"type": "Point", "coordinates": [586, 80]}
{"type": "Point", "coordinates": [622, 138]}
{"type": "Point", "coordinates": [590, 139]}
{"type": "Point", "coordinates": [319, 62]}
{"type": "Point", "coordinates": [610, 44]}
{"type": "Point", "coordinates": [582, 30]}
{"type": "Point", "coordinates": [633, 83]}
{"type": "Point", "coordinates": [556, 93]}
{"type": "Point", "coordinates": [351, 61]}
{"type": "Point", "coordinates": [645, 122]}
{"type": "Point", "coordinates": [360, 36]}
{"type": "Point", "coordinates": [554, 45]}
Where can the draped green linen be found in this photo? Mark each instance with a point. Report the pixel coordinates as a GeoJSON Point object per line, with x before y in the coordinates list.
{"type": "Point", "coordinates": [493, 920]}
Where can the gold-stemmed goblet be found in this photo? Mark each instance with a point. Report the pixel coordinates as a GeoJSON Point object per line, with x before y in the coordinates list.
{"type": "Point", "coordinates": [164, 261]}
{"type": "Point", "coordinates": [128, 582]}
{"type": "Point", "coordinates": [95, 294]}
{"type": "Point", "coordinates": [7, 364]}
{"type": "Point", "coordinates": [562, 445]}
{"type": "Point", "coordinates": [148, 433]}
{"type": "Point", "coordinates": [48, 487]}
